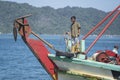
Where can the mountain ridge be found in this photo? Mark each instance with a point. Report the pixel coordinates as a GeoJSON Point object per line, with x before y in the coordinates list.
{"type": "Point", "coordinates": [47, 20]}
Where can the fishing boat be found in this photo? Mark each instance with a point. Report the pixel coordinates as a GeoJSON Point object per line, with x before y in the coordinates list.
{"type": "Point", "coordinates": [67, 65]}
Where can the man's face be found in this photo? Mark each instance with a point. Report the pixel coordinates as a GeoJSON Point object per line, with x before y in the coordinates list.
{"type": "Point", "coordinates": [72, 20]}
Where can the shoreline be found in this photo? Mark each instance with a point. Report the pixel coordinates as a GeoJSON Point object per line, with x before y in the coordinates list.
{"type": "Point", "coordinates": [58, 34]}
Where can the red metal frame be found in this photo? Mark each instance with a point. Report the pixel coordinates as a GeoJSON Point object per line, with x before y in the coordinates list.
{"type": "Point", "coordinates": [100, 23]}
{"type": "Point", "coordinates": [36, 46]}
{"type": "Point", "coordinates": [104, 29]}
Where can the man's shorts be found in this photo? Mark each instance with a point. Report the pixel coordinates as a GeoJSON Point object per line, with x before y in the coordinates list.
{"type": "Point", "coordinates": [75, 40]}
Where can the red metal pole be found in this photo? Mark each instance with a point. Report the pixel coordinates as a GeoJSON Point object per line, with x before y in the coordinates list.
{"type": "Point", "coordinates": [106, 27]}
{"type": "Point", "coordinates": [102, 21]}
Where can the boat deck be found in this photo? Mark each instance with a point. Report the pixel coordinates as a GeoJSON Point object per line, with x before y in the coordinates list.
{"type": "Point", "coordinates": [86, 62]}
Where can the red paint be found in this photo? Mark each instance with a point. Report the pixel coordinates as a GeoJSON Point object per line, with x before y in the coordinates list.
{"type": "Point", "coordinates": [102, 57]}
{"type": "Point", "coordinates": [38, 49]}
{"type": "Point", "coordinates": [103, 31]}
{"type": "Point", "coordinates": [118, 59]}
{"type": "Point", "coordinates": [110, 53]}
{"type": "Point", "coordinates": [105, 56]}
{"type": "Point", "coordinates": [100, 23]}
{"type": "Point", "coordinates": [41, 53]}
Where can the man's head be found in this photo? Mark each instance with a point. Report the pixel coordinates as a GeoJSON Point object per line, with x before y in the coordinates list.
{"type": "Point", "coordinates": [73, 19]}
{"type": "Point", "coordinates": [67, 33]}
{"type": "Point", "coordinates": [116, 47]}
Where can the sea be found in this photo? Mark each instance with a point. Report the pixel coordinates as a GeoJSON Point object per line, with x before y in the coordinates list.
{"type": "Point", "coordinates": [17, 62]}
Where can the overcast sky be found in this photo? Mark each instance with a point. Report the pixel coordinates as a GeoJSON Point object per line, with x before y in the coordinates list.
{"type": "Point", "coordinates": [105, 5]}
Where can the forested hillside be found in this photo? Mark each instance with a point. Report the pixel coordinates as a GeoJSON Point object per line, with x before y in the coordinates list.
{"type": "Point", "coordinates": [47, 20]}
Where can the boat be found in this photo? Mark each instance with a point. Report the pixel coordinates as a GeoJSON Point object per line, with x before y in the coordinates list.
{"type": "Point", "coordinates": [77, 66]}
{"type": "Point", "coordinates": [67, 65]}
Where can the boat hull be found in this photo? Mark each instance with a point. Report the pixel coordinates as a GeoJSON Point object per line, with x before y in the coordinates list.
{"type": "Point", "coordinates": [85, 69]}
{"type": "Point", "coordinates": [66, 76]}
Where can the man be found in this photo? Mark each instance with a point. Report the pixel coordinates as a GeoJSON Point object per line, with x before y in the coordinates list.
{"type": "Point", "coordinates": [75, 32]}
{"type": "Point", "coordinates": [115, 50]}
{"type": "Point", "coordinates": [113, 59]}
{"type": "Point", "coordinates": [68, 41]}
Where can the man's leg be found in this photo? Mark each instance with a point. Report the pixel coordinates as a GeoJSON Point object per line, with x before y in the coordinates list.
{"type": "Point", "coordinates": [77, 45]}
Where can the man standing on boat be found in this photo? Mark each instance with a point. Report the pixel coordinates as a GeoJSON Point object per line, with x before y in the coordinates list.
{"type": "Point", "coordinates": [75, 32]}
{"type": "Point", "coordinates": [68, 41]}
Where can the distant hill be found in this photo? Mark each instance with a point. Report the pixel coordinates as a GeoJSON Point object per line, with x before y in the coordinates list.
{"type": "Point", "coordinates": [47, 20]}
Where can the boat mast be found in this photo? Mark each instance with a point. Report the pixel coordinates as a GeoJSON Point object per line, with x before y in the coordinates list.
{"type": "Point", "coordinates": [116, 12]}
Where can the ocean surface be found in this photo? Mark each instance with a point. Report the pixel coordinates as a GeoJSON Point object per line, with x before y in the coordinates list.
{"type": "Point", "coordinates": [18, 63]}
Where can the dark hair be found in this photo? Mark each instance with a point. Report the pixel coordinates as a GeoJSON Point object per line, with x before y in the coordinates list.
{"type": "Point", "coordinates": [116, 47]}
{"type": "Point", "coordinates": [67, 32]}
{"type": "Point", "coordinates": [73, 17]}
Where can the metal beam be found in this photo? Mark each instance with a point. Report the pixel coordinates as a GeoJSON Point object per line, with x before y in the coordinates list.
{"type": "Point", "coordinates": [100, 23]}
{"type": "Point", "coordinates": [105, 28]}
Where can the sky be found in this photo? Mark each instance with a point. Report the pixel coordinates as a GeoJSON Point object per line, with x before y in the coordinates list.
{"type": "Point", "coordinates": [104, 5]}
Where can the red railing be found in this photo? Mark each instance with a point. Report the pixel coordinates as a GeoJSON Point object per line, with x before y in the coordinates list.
{"type": "Point", "coordinates": [104, 29]}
